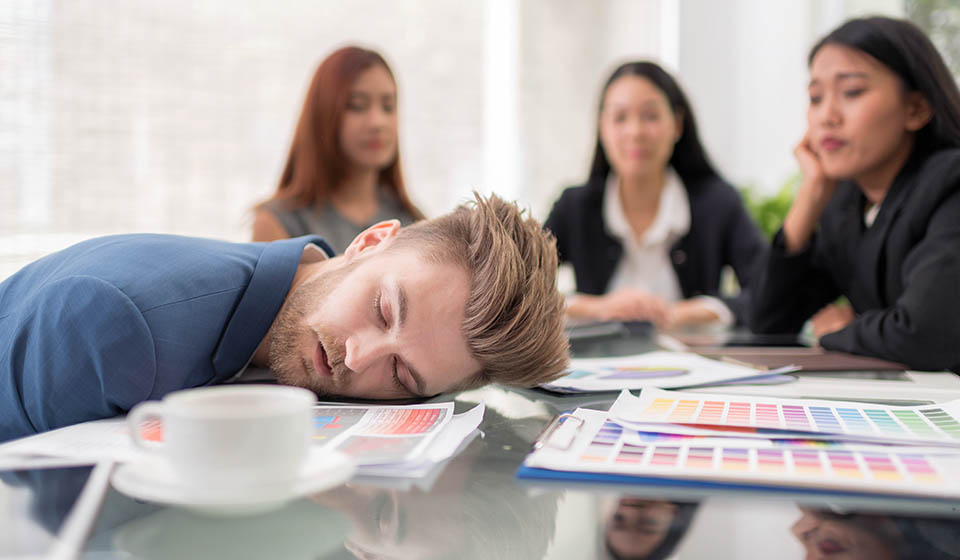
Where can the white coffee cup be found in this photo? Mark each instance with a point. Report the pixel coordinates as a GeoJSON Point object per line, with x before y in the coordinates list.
{"type": "Point", "coordinates": [230, 436]}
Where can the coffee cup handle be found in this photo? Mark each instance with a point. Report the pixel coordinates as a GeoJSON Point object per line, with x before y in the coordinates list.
{"type": "Point", "coordinates": [135, 420]}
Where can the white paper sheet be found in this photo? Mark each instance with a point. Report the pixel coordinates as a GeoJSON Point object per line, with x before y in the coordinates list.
{"type": "Point", "coordinates": [445, 446]}
{"type": "Point", "coordinates": [86, 443]}
{"type": "Point", "coordinates": [381, 434]}
{"type": "Point", "coordinates": [409, 440]}
{"type": "Point", "coordinates": [654, 369]}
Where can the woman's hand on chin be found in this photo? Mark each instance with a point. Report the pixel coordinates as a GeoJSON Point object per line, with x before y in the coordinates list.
{"type": "Point", "coordinates": [812, 196]}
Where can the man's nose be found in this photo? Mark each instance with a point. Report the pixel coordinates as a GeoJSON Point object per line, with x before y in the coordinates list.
{"type": "Point", "coordinates": [363, 350]}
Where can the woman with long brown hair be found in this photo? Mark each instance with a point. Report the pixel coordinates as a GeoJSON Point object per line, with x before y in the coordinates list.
{"type": "Point", "coordinates": [343, 170]}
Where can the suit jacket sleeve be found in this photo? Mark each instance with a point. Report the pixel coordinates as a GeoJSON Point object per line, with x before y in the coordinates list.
{"type": "Point", "coordinates": [790, 288]}
{"type": "Point", "coordinates": [746, 252]}
{"type": "Point", "coordinates": [921, 328]}
{"type": "Point", "coordinates": [85, 353]}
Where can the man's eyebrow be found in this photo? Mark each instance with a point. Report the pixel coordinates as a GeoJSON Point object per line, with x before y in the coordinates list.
{"type": "Point", "coordinates": [402, 304]}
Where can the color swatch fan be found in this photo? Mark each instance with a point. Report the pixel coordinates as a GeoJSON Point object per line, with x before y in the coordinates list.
{"type": "Point", "coordinates": [654, 369]}
{"type": "Point", "coordinates": [588, 446]}
{"type": "Point", "coordinates": [698, 414]}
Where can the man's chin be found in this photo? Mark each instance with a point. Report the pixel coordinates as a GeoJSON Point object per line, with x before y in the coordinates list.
{"type": "Point", "coordinates": [298, 378]}
{"type": "Point", "coordinates": [304, 381]}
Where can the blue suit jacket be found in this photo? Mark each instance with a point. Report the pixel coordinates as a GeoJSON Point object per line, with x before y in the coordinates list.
{"type": "Point", "coordinates": [92, 330]}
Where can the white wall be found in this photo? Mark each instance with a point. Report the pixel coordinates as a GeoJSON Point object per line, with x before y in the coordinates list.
{"type": "Point", "coordinates": [120, 116]}
{"type": "Point", "coordinates": [568, 48]}
{"type": "Point", "coordinates": [744, 64]}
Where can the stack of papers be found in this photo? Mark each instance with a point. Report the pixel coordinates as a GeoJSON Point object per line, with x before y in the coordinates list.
{"type": "Point", "coordinates": [385, 441]}
{"type": "Point", "coordinates": [667, 370]}
{"type": "Point", "coordinates": [395, 441]}
{"type": "Point", "coordinates": [766, 442]}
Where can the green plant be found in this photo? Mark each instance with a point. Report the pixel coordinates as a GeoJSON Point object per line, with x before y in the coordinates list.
{"type": "Point", "coordinates": [770, 210]}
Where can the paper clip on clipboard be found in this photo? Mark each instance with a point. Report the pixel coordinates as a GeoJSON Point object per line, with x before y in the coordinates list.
{"type": "Point", "coordinates": [561, 432]}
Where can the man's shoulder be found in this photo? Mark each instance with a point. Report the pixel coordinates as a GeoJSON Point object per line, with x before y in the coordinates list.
{"type": "Point", "coordinates": [166, 244]}
{"type": "Point", "coordinates": [140, 250]}
{"type": "Point", "coordinates": [147, 269]}
{"type": "Point", "coordinates": [78, 297]}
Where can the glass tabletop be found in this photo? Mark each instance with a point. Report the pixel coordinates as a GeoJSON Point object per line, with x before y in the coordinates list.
{"type": "Point", "coordinates": [33, 506]}
{"type": "Point", "coordinates": [474, 506]}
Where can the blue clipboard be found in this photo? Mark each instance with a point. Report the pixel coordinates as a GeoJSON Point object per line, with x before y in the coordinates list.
{"type": "Point", "coordinates": [534, 473]}
{"type": "Point", "coordinates": [557, 476]}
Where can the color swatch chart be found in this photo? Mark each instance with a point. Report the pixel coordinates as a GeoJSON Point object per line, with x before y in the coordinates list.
{"type": "Point", "coordinates": [378, 434]}
{"type": "Point", "coordinates": [379, 420]}
{"type": "Point", "coordinates": [607, 447]}
{"type": "Point", "coordinates": [403, 422]}
{"type": "Point", "coordinates": [329, 422]}
{"type": "Point", "coordinates": [935, 424]}
{"type": "Point", "coordinates": [652, 369]}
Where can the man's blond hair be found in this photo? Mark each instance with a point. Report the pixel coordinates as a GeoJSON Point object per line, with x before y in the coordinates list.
{"type": "Point", "coordinates": [514, 316]}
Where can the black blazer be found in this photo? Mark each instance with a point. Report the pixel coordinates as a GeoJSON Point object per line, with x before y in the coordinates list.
{"type": "Point", "coordinates": [901, 275]}
{"type": "Point", "coordinates": [721, 233]}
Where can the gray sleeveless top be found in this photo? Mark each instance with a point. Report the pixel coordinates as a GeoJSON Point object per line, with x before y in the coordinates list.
{"type": "Point", "coordinates": [335, 228]}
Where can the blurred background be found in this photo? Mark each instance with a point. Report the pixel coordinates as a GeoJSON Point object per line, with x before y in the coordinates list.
{"type": "Point", "coordinates": [175, 116]}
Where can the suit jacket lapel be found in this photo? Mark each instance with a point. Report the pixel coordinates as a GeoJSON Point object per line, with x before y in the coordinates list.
{"type": "Point", "coordinates": [608, 250]}
{"type": "Point", "coordinates": [875, 237]}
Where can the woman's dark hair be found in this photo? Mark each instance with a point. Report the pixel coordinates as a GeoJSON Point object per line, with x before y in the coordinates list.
{"type": "Point", "coordinates": [689, 159]}
{"type": "Point", "coordinates": [903, 47]}
{"type": "Point", "coordinates": [682, 519]}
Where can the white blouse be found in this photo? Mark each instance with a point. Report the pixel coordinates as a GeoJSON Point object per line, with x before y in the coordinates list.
{"type": "Point", "coordinates": [645, 263]}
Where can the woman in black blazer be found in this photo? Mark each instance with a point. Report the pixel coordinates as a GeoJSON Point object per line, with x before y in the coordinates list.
{"type": "Point", "coordinates": [650, 232]}
{"type": "Point", "coordinates": [877, 215]}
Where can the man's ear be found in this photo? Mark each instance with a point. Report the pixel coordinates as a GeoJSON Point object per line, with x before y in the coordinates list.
{"type": "Point", "coordinates": [919, 112]}
{"type": "Point", "coordinates": [372, 237]}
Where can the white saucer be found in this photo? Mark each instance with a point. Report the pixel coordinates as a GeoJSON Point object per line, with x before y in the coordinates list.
{"type": "Point", "coordinates": [152, 479]}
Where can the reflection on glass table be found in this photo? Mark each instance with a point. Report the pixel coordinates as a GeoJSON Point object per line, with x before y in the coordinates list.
{"type": "Point", "coordinates": [474, 507]}
{"type": "Point", "coordinates": [300, 530]}
{"type": "Point", "coordinates": [33, 507]}
{"type": "Point", "coordinates": [470, 508]}
{"type": "Point", "coordinates": [633, 527]}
